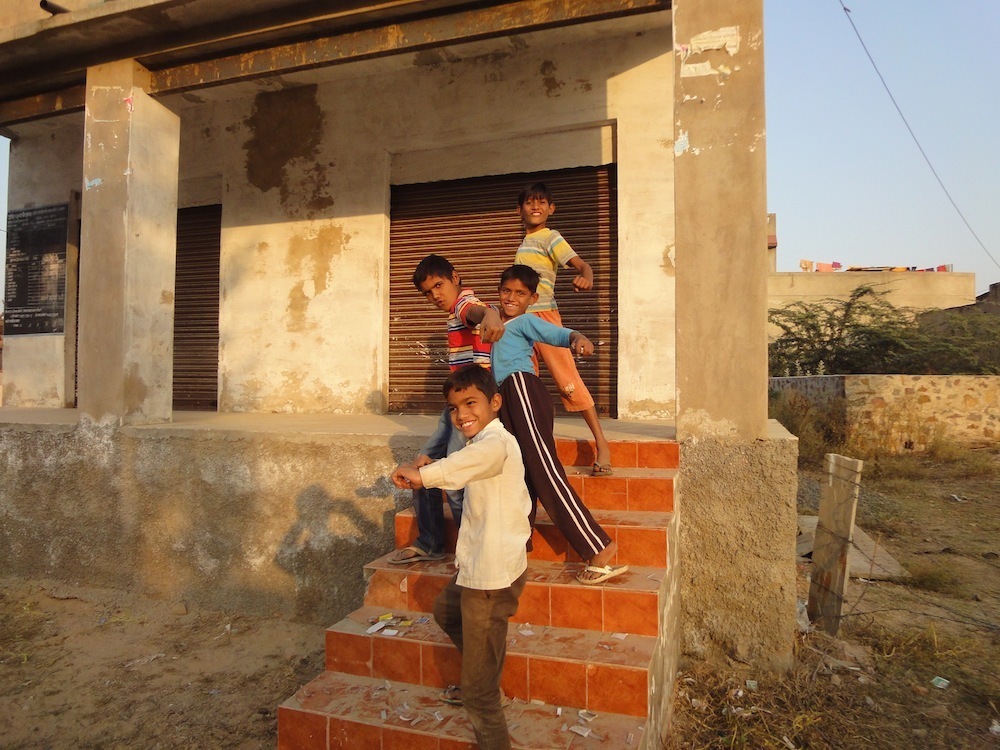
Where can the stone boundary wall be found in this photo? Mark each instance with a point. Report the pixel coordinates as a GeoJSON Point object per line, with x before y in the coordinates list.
{"type": "Point", "coordinates": [900, 413]}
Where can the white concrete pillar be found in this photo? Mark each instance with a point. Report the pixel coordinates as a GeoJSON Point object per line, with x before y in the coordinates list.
{"type": "Point", "coordinates": [127, 248]}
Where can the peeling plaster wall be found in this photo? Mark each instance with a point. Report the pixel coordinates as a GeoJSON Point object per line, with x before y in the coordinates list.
{"type": "Point", "coordinates": [46, 164]}
{"type": "Point", "coordinates": [305, 174]}
{"type": "Point", "coordinates": [302, 168]}
{"type": "Point", "coordinates": [268, 523]}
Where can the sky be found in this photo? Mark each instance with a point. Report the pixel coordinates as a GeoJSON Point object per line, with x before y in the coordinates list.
{"type": "Point", "coordinates": [846, 180]}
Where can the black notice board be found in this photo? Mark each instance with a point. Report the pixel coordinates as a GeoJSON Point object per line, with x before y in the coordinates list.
{"type": "Point", "coordinates": [35, 296]}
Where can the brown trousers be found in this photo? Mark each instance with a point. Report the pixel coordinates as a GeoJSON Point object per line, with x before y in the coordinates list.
{"type": "Point", "coordinates": [476, 621]}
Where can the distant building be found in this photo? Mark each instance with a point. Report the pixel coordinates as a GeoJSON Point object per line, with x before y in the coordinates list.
{"type": "Point", "coordinates": [904, 288]}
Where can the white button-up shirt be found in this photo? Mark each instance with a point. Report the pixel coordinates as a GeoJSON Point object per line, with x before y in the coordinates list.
{"type": "Point", "coordinates": [490, 553]}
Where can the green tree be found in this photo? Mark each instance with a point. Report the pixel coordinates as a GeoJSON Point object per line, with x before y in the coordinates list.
{"type": "Point", "coordinates": [866, 334]}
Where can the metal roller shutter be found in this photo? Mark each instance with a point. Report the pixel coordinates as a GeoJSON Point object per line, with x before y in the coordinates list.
{"type": "Point", "coordinates": [474, 223]}
{"type": "Point", "coordinates": [196, 309]}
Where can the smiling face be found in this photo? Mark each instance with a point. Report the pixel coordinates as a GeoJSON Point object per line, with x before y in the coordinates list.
{"type": "Point", "coordinates": [535, 212]}
{"type": "Point", "coordinates": [471, 410]}
{"type": "Point", "coordinates": [441, 291]}
{"type": "Point", "coordinates": [515, 298]}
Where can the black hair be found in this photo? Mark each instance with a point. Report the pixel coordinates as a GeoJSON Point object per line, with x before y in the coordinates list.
{"type": "Point", "coordinates": [432, 265]}
{"type": "Point", "coordinates": [471, 376]}
{"type": "Point", "coordinates": [525, 274]}
{"type": "Point", "coordinates": [535, 190]}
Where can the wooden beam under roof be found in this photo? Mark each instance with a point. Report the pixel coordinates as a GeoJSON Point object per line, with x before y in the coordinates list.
{"type": "Point", "coordinates": [426, 33]}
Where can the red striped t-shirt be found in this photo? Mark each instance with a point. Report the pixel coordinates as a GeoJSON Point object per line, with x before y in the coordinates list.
{"type": "Point", "coordinates": [464, 345]}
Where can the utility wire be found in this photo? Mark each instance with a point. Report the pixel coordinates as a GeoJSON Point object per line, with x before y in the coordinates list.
{"type": "Point", "coordinates": [847, 12]}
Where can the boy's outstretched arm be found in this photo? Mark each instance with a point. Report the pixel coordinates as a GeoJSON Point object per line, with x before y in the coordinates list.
{"type": "Point", "coordinates": [488, 319]}
{"type": "Point", "coordinates": [584, 279]}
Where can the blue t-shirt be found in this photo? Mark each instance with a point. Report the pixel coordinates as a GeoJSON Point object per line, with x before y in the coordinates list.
{"type": "Point", "coordinates": [512, 353]}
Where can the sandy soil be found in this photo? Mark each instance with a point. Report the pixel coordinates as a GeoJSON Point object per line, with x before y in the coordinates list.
{"type": "Point", "coordinates": [84, 667]}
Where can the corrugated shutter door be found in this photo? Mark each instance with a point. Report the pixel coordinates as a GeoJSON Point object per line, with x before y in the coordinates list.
{"type": "Point", "coordinates": [474, 224]}
{"type": "Point", "coordinates": [196, 309]}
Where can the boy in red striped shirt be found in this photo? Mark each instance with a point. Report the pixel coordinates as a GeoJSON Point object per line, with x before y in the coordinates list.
{"type": "Point", "coordinates": [472, 327]}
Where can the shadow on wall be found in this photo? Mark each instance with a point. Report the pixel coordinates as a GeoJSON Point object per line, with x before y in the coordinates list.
{"type": "Point", "coordinates": [327, 566]}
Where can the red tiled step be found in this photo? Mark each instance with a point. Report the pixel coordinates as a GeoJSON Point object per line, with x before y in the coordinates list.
{"type": "Point", "coordinates": [552, 595]}
{"type": "Point", "coordinates": [338, 711]}
{"type": "Point", "coordinates": [641, 536]}
{"type": "Point", "coordinates": [649, 454]}
{"type": "Point", "coordinates": [626, 489]}
{"type": "Point", "coordinates": [568, 666]}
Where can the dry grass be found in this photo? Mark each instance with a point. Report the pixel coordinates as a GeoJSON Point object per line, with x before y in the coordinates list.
{"type": "Point", "coordinates": [831, 700]}
{"type": "Point", "coordinates": [938, 513]}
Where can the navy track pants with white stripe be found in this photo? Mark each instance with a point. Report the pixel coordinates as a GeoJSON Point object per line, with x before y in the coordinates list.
{"type": "Point", "coordinates": [528, 415]}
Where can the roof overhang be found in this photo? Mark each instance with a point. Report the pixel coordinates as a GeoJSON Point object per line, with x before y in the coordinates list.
{"type": "Point", "coordinates": [190, 44]}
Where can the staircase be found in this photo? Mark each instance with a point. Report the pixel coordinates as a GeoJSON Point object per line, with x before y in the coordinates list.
{"type": "Point", "coordinates": [574, 651]}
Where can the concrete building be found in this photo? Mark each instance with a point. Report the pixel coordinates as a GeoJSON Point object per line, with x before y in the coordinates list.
{"type": "Point", "coordinates": [291, 131]}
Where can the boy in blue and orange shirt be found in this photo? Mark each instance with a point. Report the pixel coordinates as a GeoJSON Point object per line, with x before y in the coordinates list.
{"type": "Point", "coordinates": [527, 413]}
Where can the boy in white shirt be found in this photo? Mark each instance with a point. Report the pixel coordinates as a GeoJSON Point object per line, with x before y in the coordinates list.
{"type": "Point", "coordinates": [476, 605]}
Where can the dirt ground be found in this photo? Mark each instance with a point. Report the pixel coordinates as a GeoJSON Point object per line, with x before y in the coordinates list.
{"type": "Point", "coordinates": [90, 668]}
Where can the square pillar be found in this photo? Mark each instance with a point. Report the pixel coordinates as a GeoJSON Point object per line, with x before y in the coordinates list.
{"type": "Point", "coordinates": [721, 218]}
{"type": "Point", "coordinates": [127, 248]}
{"type": "Point", "coordinates": [736, 491]}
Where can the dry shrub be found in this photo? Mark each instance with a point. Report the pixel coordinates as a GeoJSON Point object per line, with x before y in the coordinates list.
{"type": "Point", "coordinates": [943, 459]}
{"type": "Point", "coordinates": [20, 623]}
{"type": "Point", "coordinates": [821, 428]}
{"type": "Point", "coordinates": [917, 655]}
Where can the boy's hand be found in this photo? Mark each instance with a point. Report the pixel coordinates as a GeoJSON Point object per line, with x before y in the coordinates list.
{"type": "Point", "coordinates": [491, 328]}
{"type": "Point", "coordinates": [580, 344]}
{"type": "Point", "coordinates": [406, 478]}
{"type": "Point", "coordinates": [582, 283]}
{"type": "Point", "coordinates": [421, 460]}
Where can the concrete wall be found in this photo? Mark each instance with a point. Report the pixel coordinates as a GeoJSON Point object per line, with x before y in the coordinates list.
{"type": "Point", "coordinates": [737, 535]}
{"type": "Point", "coordinates": [920, 291]}
{"type": "Point", "coordinates": [721, 218]}
{"type": "Point", "coordinates": [303, 165]}
{"type": "Point", "coordinates": [665, 663]}
{"type": "Point", "coordinates": [275, 523]}
{"type": "Point", "coordinates": [46, 165]}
